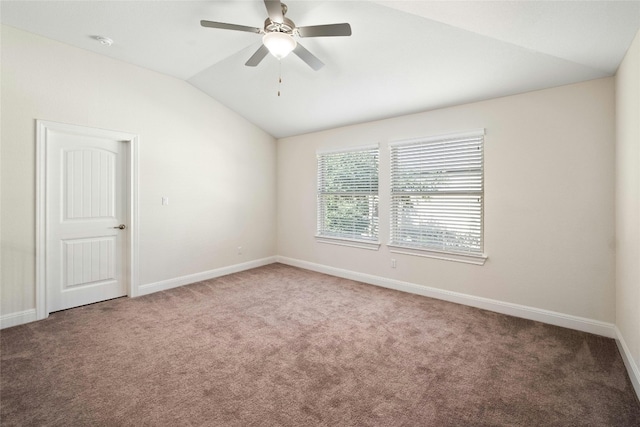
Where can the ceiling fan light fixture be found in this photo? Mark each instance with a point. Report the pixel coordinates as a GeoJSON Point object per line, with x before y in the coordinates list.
{"type": "Point", "coordinates": [279, 44]}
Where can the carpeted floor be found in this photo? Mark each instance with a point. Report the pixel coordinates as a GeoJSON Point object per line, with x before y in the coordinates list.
{"type": "Point", "coordinates": [281, 346]}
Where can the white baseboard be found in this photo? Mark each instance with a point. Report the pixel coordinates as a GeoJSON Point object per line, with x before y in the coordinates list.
{"type": "Point", "coordinates": [554, 318]}
{"type": "Point", "coordinates": [18, 318]}
{"type": "Point", "coordinates": [163, 285]}
{"type": "Point", "coordinates": [545, 316]}
{"type": "Point", "coordinates": [27, 316]}
{"type": "Point", "coordinates": [629, 362]}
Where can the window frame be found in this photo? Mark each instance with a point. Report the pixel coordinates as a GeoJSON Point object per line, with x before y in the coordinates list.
{"type": "Point", "coordinates": [322, 235]}
{"type": "Point", "coordinates": [395, 246]}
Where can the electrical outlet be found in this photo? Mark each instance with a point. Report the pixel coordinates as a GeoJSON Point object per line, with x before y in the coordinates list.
{"type": "Point", "coordinates": [165, 200]}
{"type": "Point", "coordinates": [393, 263]}
{"type": "Point", "coordinates": [239, 250]}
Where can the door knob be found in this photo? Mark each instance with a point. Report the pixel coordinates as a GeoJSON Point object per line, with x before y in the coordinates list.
{"type": "Point", "coordinates": [121, 227]}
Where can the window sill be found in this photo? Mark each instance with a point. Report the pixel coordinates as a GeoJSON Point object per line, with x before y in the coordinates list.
{"type": "Point", "coordinates": [478, 259]}
{"type": "Point", "coordinates": [361, 244]}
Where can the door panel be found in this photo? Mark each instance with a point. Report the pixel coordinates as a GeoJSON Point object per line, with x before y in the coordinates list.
{"type": "Point", "coordinates": [88, 262]}
{"type": "Point", "coordinates": [86, 191]}
{"type": "Point", "coordinates": [89, 187]}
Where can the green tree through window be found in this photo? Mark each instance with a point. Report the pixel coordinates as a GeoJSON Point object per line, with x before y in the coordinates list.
{"type": "Point", "coordinates": [348, 194]}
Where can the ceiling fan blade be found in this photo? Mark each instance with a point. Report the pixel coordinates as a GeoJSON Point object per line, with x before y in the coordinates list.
{"type": "Point", "coordinates": [223, 26]}
{"type": "Point", "coordinates": [257, 57]}
{"type": "Point", "coordinates": [274, 9]}
{"type": "Point", "coordinates": [331, 30]}
{"type": "Point", "coordinates": [308, 57]}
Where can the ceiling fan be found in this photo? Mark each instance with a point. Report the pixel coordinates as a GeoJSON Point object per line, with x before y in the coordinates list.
{"type": "Point", "coordinates": [278, 35]}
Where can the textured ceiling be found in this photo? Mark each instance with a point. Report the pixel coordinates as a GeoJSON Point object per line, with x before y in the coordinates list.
{"type": "Point", "coordinates": [403, 56]}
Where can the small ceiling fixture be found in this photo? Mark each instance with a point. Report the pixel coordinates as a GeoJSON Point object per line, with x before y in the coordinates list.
{"type": "Point", "coordinates": [106, 41]}
{"type": "Point", "coordinates": [279, 44]}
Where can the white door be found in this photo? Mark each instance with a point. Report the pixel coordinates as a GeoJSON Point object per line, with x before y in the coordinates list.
{"type": "Point", "coordinates": [86, 237]}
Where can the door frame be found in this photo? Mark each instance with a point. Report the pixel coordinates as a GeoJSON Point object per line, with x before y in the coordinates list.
{"type": "Point", "coordinates": [43, 128]}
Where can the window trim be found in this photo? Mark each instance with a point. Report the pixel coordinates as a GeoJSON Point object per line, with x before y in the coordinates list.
{"type": "Point", "coordinates": [348, 149]}
{"type": "Point", "coordinates": [476, 258]}
{"type": "Point", "coordinates": [372, 245]}
{"type": "Point", "coordinates": [468, 258]}
{"type": "Point", "coordinates": [440, 137]}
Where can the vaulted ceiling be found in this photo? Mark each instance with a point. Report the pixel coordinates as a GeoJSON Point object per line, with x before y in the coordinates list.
{"type": "Point", "coordinates": [403, 56]}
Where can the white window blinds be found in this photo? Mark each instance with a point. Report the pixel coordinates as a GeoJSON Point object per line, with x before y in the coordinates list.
{"type": "Point", "coordinates": [437, 193]}
{"type": "Point", "coordinates": [348, 194]}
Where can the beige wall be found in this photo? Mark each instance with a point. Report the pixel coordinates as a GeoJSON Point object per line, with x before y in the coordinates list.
{"type": "Point", "coordinates": [217, 169]}
{"type": "Point", "coordinates": [549, 212]}
{"type": "Point", "coordinates": [549, 205]}
{"type": "Point", "coordinates": [628, 199]}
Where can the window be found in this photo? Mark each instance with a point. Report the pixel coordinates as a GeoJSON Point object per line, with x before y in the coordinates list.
{"type": "Point", "coordinates": [437, 196]}
{"type": "Point", "coordinates": [348, 197]}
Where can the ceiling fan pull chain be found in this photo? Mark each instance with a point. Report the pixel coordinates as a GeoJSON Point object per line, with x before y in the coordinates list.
{"type": "Point", "coordinates": [279, 76]}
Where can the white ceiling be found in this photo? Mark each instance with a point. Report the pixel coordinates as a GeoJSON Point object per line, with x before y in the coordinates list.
{"type": "Point", "coordinates": [403, 56]}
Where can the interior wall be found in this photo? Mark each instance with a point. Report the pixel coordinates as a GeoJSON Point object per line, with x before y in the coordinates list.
{"type": "Point", "coordinates": [217, 169]}
{"type": "Point", "coordinates": [549, 200]}
{"type": "Point", "coordinates": [628, 199]}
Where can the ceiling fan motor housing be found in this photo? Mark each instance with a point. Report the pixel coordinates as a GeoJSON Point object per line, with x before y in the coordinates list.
{"type": "Point", "coordinates": [286, 26]}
